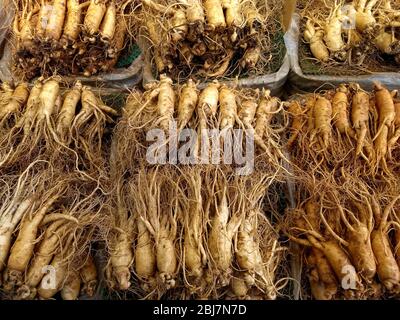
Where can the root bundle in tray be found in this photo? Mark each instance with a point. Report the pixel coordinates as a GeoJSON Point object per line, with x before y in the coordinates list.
{"type": "Point", "coordinates": [193, 234]}
{"type": "Point", "coordinates": [349, 232]}
{"type": "Point", "coordinates": [53, 186]}
{"type": "Point", "coordinates": [344, 150]}
{"type": "Point", "coordinates": [208, 39]}
{"type": "Point", "coordinates": [68, 37]}
{"type": "Point", "coordinates": [348, 36]}
{"type": "Point", "coordinates": [187, 230]}
{"type": "Point", "coordinates": [186, 115]}
{"type": "Point", "coordinates": [347, 127]}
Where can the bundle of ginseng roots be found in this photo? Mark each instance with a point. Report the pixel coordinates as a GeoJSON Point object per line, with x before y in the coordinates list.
{"type": "Point", "coordinates": [212, 38]}
{"type": "Point", "coordinates": [68, 36]}
{"type": "Point", "coordinates": [361, 34]}
{"type": "Point", "coordinates": [194, 229]}
{"type": "Point", "coordinates": [193, 234]}
{"type": "Point", "coordinates": [343, 146]}
{"type": "Point", "coordinates": [53, 189]}
{"type": "Point", "coordinates": [349, 232]}
{"type": "Point", "coordinates": [218, 125]}
{"type": "Point", "coordinates": [346, 127]}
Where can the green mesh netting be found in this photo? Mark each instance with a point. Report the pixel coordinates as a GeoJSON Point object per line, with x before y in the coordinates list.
{"type": "Point", "coordinates": [128, 56]}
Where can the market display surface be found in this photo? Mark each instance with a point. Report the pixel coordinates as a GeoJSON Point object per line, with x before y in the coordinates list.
{"type": "Point", "coordinates": [192, 185]}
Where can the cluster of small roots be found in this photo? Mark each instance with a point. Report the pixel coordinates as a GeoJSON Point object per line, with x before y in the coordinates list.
{"type": "Point", "coordinates": [190, 233]}
{"type": "Point", "coordinates": [212, 38]}
{"type": "Point", "coordinates": [343, 146]}
{"type": "Point", "coordinates": [344, 36]}
{"type": "Point", "coordinates": [53, 189]}
{"type": "Point", "coordinates": [69, 37]}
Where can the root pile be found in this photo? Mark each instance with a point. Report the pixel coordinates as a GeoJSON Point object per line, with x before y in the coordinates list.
{"type": "Point", "coordinates": [348, 230]}
{"type": "Point", "coordinates": [53, 189]}
{"type": "Point", "coordinates": [213, 38]}
{"type": "Point", "coordinates": [346, 127]}
{"type": "Point", "coordinates": [344, 149]}
{"type": "Point", "coordinates": [171, 124]}
{"type": "Point", "coordinates": [193, 233]}
{"type": "Point", "coordinates": [363, 35]}
{"type": "Point", "coordinates": [190, 229]}
{"type": "Point", "coordinates": [68, 37]}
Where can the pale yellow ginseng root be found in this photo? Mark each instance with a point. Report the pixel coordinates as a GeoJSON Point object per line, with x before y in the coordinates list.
{"type": "Point", "coordinates": [359, 242]}
{"type": "Point", "coordinates": [145, 257]}
{"type": "Point", "coordinates": [386, 115]}
{"type": "Point", "coordinates": [179, 25]}
{"type": "Point", "coordinates": [238, 287]}
{"type": "Point", "coordinates": [233, 15]}
{"type": "Point", "coordinates": [251, 58]}
{"type": "Point", "coordinates": [365, 20]}
{"type": "Point", "coordinates": [27, 120]}
{"type": "Point", "coordinates": [43, 19]}
{"type": "Point", "coordinates": [93, 18]}
{"type": "Point", "coordinates": [72, 286]}
{"type": "Point", "coordinates": [166, 103]}
{"type": "Point", "coordinates": [121, 259]}
{"type": "Point", "coordinates": [193, 249]}
{"type": "Point", "coordinates": [195, 12]}
{"type": "Point", "coordinates": [386, 42]}
{"type": "Point", "coordinates": [107, 27]}
{"type": "Point", "coordinates": [23, 28]}
{"type": "Point", "coordinates": [54, 281]}
{"type": "Point", "coordinates": [322, 120]}
{"type": "Point", "coordinates": [317, 45]}
{"type": "Point", "coordinates": [154, 35]}
{"type": "Point", "coordinates": [360, 117]}
{"type": "Point", "coordinates": [42, 258]}
{"type": "Point", "coordinates": [323, 282]}
{"type": "Point", "coordinates": [223, 227]}
{"type": "Point", "coordinates": [387, 268]}
{"type": "Point", "coordinates": [341, 112]}
{"type": "Point", "coordinates": [208, 103]}
{"type": "Point", "coordinates": [89, 277]}
{"type": "Point", "coordinates": [249, 256]}
{"type": "Point", "coordinates": [9, 220]}
{"type": "Point", "coordinates": [54, 27]}
{"type": "Point", "coordinates": [333, 34]}
{"type": "Point", "coordinates": [228, 108]}
{"type": "Point", "coordinates": [15, 104]}
{"type": "Point", "coordinates": [214, 14]}
{"type": "Point", "coordinates": [67, 112]}
{"type": "Point", "coordinates": [23, 247]}
{"type": "Point", "coordinates": [73, 21]}
{"type": "Point", "coordinates": [187, 103]}
{"type": "Point", "coordinates": [297, 124]}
